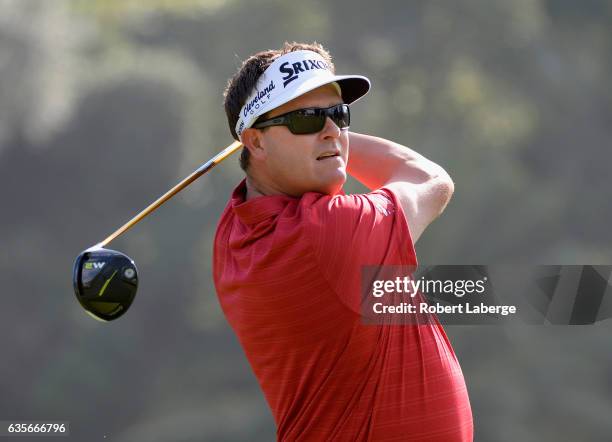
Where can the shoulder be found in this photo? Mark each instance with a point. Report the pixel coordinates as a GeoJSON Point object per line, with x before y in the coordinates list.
{"type": "Point", "coordinates": [377, 204]}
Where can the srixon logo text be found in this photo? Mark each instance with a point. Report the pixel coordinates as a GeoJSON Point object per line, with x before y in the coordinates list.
{"type": "Point", "coordinates": [292, 70]}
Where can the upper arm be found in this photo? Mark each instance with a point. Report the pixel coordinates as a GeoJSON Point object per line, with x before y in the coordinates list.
{"type": "Point", "coordinates": [349, 232]}
{"type": "Point", "coordinates": [422, 202]}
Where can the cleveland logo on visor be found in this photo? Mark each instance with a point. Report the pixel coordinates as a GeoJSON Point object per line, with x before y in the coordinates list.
{"type": "Point", "coordinates": [257, 101]}
{"type": "Point", "coordinates": [299, 72]}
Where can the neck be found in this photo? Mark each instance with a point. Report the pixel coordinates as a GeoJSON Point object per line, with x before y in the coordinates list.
{"type": "Point", "coordinates": [251, 190]}
{"type": "Point", "coordinates": [256, 188]}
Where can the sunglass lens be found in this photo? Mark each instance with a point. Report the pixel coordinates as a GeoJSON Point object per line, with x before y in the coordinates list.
{"type": "Point", "coordinates": [341, 116]}
{"type": "Point", "coordinates": [309, 121]}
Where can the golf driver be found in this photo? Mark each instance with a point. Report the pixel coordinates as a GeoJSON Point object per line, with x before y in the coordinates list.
{"type": "Point", "coordinates": [105, 281]}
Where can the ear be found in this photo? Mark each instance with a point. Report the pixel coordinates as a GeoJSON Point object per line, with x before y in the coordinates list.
{"type": "Point", "coordinates": [252, 139]}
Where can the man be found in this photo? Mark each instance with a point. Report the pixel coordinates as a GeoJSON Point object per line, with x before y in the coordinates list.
{"type": "Point", "coordinates": [290, 247]}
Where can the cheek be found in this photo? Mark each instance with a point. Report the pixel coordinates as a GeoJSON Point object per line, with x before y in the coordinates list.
{"type": "Point", "coordinates": [344, 139]}
{"type": "Point", "coordinates": [298, 151]}
{"type": "Point", "coordinates": [289, 157]}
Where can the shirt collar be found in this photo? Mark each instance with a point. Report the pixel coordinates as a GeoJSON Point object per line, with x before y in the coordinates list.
{"type": "Point", "coordinates": [257, 209]}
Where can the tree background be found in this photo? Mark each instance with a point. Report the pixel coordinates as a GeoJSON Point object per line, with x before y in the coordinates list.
{"type": "Point", "coordinates": [106, 104]}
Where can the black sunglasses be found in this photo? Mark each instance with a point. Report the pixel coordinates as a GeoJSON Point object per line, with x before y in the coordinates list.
{"type": "Point", "coordinates": [310, 120]}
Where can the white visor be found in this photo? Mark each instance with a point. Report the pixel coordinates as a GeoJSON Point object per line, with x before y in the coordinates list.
{"type": "Point", "coordinates": [290, 76]}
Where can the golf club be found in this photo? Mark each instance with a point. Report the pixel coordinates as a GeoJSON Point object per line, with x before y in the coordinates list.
{"type": "Point", "coordinates": [105, 281]}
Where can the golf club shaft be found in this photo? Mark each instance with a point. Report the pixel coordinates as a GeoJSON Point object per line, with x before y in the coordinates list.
{"type": "Point", "coordinates": [176, 189]}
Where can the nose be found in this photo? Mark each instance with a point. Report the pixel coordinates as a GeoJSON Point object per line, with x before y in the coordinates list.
{"type": "Point", "coordinates": [330, 130]}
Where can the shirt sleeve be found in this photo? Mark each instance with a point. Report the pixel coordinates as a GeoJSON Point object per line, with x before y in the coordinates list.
{"type": "Point", "coordinates": [349, 232]}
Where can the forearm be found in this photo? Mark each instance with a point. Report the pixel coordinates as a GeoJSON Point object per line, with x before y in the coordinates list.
{"type": "Point", "coordinates": [374, 162]}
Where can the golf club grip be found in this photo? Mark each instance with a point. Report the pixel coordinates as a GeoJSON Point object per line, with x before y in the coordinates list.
{"type": "Point", "coordinates": [176, 189]}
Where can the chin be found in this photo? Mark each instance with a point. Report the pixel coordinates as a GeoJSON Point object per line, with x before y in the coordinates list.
{"type": "Point", "coordinates": [333, 187]}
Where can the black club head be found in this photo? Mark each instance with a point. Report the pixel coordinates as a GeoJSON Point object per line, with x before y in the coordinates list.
{"type": "Point", "coordinates": [105, 282]}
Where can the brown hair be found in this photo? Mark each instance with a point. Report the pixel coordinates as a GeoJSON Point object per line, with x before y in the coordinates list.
{"type": "Point", "coordinates": [241, 85]}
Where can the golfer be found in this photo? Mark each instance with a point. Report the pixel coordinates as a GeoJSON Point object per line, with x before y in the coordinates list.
{"type": "Point", "coordinates": [290, 246]}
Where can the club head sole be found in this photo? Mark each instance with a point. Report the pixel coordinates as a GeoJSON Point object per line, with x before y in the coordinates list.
{"type": "Point", "coordinates": [105, 282]}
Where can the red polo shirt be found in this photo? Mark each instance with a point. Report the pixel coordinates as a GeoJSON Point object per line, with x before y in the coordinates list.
{"type": "Point", "coordinates": [287, 274]}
